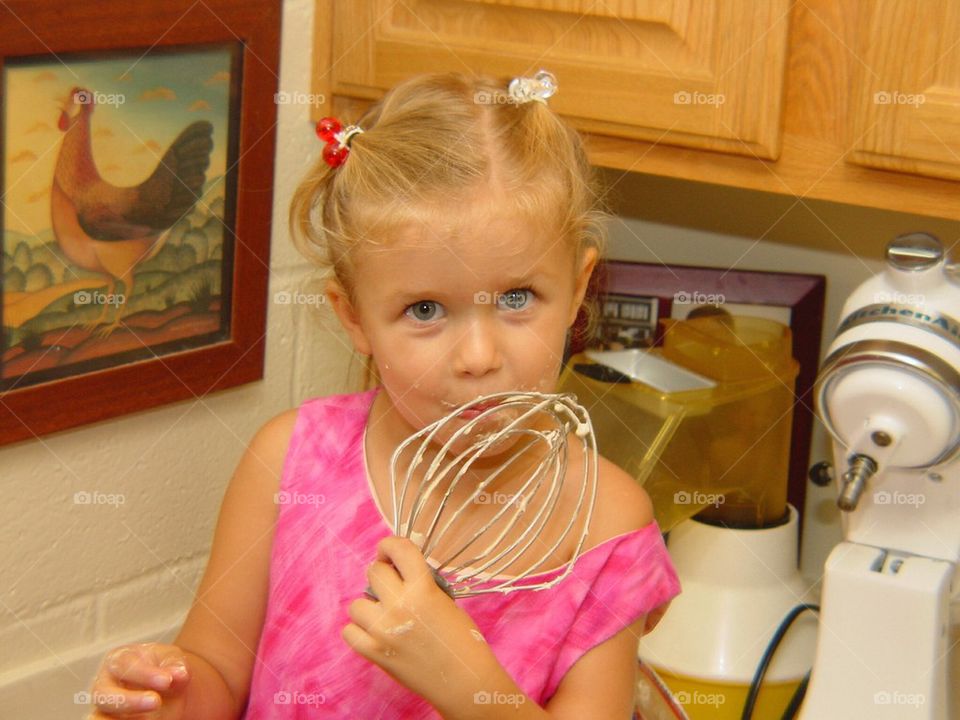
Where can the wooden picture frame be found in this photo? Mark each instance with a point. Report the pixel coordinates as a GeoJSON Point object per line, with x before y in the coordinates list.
{"type": "Point", "coordinates": [639, 295]}
{"type": "Point", "coordinates": [207, 290]}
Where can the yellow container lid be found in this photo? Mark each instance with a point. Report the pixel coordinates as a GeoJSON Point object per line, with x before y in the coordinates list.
{"type": "Point", "coordinates": [731, 348]}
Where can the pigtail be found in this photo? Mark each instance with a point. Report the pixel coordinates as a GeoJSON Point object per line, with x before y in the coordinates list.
{"type": "Point", "coordinates": [306, 218]}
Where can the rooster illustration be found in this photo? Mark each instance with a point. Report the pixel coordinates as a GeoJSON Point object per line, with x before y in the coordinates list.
{"type": "Point", "coordinates": [108, 229]}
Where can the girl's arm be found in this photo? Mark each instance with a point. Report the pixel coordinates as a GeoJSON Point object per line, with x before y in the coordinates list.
{"type": "Point", "coordinates": [206, 674]}
{"type": "Point", "coordinates": [223, 628]}
{"type": "Point", "coordinates": [603, 682]}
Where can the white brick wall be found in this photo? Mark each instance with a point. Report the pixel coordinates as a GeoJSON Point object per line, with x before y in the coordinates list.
{"type": "Point", "coordinates": [47, 633]}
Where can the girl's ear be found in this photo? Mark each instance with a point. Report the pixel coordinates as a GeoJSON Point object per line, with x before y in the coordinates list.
{"type": "Point", "coordinates": [589, 261]}
{"type": "Point", "coordinates": [348, 316]}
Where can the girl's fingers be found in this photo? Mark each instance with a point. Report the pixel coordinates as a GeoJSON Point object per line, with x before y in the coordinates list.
{"type": "Point", "coordinates": [145, 666]}
{"type": "Point", "coordinates": [127, 702]}
{"type": "Point", "coordinates": [176, 665]}
{"type": "Point", "coordinates": [112, 700]}
{"type": "Point", "coordinates": [140, 672]}
{"type": "Point", "coordinates": [364, 612]}
{"type": "Point", "coordinates": [361, 641]}
{"type": "Point", "coordinates": [384, 580]}
{"type": "Point", "coordinates": [405, 557]}
{"type": "Point", "coordinates": [133, 678]}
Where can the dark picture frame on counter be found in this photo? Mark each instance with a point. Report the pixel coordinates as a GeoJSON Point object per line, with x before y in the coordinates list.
{"type": "Point", "coordinates": [136, 167]}
{"type": "Point", "coordinates": [633, 297]}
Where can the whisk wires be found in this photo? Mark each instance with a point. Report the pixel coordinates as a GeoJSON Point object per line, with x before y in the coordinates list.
{"type": "Point", "coordinates": [479, 563]}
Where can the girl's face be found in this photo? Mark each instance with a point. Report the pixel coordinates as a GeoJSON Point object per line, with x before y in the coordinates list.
{"type": "Point", "coordinates": [478, 308]}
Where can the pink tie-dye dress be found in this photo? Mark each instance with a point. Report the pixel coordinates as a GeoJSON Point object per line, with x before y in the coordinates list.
{"type": "Point", "coordinates": [326, 535]}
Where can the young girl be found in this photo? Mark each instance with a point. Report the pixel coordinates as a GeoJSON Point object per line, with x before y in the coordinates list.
{"type": "Point", "coordinates": [457, 219]}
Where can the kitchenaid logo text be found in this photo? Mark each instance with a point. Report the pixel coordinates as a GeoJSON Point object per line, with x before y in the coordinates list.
{"type": "Point", "coordinates": [943, 325]}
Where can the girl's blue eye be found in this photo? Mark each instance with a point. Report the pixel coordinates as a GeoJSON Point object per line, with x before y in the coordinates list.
{"type": "Point", "coordinates": [424, 310]}
{"type": "Point", "coordinates": [515, 299]}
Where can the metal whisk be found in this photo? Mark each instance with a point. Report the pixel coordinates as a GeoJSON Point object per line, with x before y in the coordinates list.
{"type": "Point", "coordinates": [477, 564]}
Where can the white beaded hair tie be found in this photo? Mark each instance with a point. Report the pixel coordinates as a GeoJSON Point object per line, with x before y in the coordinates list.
{"type": "Point", "coordinates": [537, 89]}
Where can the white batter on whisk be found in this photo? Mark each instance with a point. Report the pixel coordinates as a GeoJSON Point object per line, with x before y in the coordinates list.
{"type": "Point", "coordinates": [515, 531]}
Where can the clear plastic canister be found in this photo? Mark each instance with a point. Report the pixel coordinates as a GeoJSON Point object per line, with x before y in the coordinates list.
{"type": "Point", "coordinates": [744, 442]}
{"type": "Point", "coordinates": [720, 453]}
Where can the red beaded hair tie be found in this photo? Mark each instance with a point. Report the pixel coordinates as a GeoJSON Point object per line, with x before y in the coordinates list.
{"type": "Point", "coordinates": [337, 139]}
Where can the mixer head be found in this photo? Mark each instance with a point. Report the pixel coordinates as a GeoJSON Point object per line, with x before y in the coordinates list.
{"type": "Point", "coordinates": [889, 390]}
{"type": "Point", "coordinates": [535, 513]}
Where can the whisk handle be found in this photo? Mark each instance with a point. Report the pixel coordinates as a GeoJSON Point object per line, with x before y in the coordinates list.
{"type": "Point", "coordinates": [437, 577]}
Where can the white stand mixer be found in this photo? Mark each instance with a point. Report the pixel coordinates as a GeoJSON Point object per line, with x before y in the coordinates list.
{"type": "Point", "coordinates": [889, 393]}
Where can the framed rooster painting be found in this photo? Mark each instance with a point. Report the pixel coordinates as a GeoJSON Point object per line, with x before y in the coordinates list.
{"type": "Point", "coordinates": [136, 176]}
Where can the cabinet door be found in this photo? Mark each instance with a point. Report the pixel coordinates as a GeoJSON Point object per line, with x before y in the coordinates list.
{"type": "Point", "coordinates": [906, 113]}
{"type": "Point", "coordinates": [698, 73]}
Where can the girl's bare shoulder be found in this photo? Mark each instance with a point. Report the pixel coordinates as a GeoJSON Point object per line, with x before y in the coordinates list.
{"type": "Point", "coordinates": [275, 433]}
{"type": "Point", "coordinates": [281, 423]}
{"type": "Point", "coordinates": [622, 504]}
{"type": "Point", "coordinates": [270, 443]}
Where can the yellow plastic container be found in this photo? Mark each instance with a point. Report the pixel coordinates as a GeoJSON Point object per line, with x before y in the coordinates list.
{"type": "Point", "coordinates": [702, 700]}
{"type": "Point", "coordinates": [721, 453]}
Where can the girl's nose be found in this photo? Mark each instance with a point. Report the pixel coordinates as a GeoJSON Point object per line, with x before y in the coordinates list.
{"type": "Point", "coordinates": [477, 352]}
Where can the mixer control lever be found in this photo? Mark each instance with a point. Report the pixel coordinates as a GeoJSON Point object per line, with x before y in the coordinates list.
{"type": "Point", "coordinates": [862, 468]}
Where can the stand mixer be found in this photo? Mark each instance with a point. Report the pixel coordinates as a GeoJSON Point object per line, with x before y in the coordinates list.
{"type": "Point", "coordinates": [889, 394]}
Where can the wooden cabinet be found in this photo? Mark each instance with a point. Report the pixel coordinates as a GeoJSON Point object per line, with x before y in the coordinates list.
{"type": "Point", "coordinates": [906, 108]}
{"type": "Point", "coordinates": [855, 101]}
{"type": "Point", "coordinates": [699, 74]}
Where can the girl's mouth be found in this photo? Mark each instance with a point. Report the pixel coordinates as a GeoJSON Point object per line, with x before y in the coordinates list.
{"type": "Point", "coordinates": [474, 410]}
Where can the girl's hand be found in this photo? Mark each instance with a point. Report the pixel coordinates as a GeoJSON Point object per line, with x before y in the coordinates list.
{"type": "Point", "coordinates": [415, 631]}
{"type": "Point", "coordinates": [145, 680]}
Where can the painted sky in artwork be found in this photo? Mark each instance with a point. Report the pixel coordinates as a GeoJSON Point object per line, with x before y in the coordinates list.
{"type": "Point", "coordinates": [145, 100]}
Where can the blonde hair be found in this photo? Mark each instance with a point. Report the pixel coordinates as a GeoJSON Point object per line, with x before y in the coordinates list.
{"type": "Point", "coordinates": [427, 146]}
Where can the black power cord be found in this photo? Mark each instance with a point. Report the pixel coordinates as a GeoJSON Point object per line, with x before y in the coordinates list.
{"type": "Point", "coordinates": [794, 705]}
